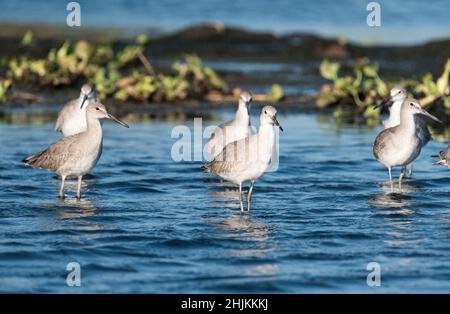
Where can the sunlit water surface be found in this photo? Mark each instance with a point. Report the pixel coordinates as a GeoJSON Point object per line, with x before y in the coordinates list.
{"type": "Point", "coordinates": [149, 224]}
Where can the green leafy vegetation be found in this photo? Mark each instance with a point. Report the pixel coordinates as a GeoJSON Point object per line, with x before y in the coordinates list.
{"type": "Point", "coordinates": [125, 74]}
{"type": "Point", "coordinates": [276, 93]}
{"type": "Point", "coordinates": [357, 91]}
{"type": "Point", "coordinates": [4, 85]}
{"type": "Point", "coordinates": [435, 91]}
{"type": "Point", "coordinates": [27, 38]}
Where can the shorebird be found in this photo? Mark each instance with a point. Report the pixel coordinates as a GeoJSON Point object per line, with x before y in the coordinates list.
{"type": "Point", "coordinates": [72, 117]}
{"type": "Point", "coordinates": [248, 158]}
{"type": "Point", "coordinates": [233, 130]}
{"type": "Point", "coordinates": [400, 145]}
{"type": "Point", "coordinates": [394, 103]}
{"type": "Point", "coordinates": [77, 154]}
{"type": "Point", "coordinates": [443, 158]}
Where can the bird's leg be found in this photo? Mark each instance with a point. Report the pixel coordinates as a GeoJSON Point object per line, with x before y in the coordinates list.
{"type": "Point", "coordinates": [241, 197]}
{"type": "Point", "coordinates": [390, 179]}
{"type": "Point", "coordinates": [61, 189]}
{"type": "Point", "coordinates": [79, 187]}
{"type": "Point", "coordinates": [402, 174]}
{"type": "Point", "coordinates": [249, 196]}
{"type": "Point", "coordinates": [410, 170]}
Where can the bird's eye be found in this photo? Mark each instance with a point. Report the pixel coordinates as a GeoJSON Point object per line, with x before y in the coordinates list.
{"type": "Point", "coordinates": [265, 112]}
{"type": "Point", "coordinates": [97, 108]}
{"type": "Point", "coordinates": [411, 104]}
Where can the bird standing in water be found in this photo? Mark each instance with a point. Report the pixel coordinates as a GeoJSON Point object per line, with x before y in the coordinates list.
{"type": "Point", "coordinates": [247, 159]}
{"type": "Point", "coordinates": [400, 145]}
{"type": "Point", "coordinates": [75, 155]}
{"type": "Point", "coordinates": [394, 103]}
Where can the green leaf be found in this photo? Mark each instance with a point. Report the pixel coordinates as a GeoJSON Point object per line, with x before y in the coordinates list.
{"type": "Point", "coordinates": [325, 99]}
{"type": "Point", "coordinates": [38, 67]}
{"type": "Point", "coordinates": [370, 70]}
{"type": "Point", "coordinates": [442, 82]}
{"type": "Point", "coordinates": [329, 70]}
{"type": "Point", "coordinates": [276, 93]}
{"type": "Point", "coordinates": [27, 38]}
{"type": "Point", "coordinates": [370, 112]}
{"type": "Point", "coordinates": [142, 40]}
{"type": "Point", "coordinates": [446, 100]}
{"type": "Point", "coordinates": [4, 86]}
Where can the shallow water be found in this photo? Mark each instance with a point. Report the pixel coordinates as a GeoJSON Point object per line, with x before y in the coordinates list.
{"type": "Point", "coordinates": [149, 224]}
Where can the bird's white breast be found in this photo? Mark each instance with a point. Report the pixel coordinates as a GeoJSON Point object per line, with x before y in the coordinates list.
{"type": "Point", "coordinates": [75, 122]}
{"type": "Point", "coordinates": [84, 158]}
{"type": "Point", "coordinates": [401, 154]}
{"type": "Point", "coordinates": [394, 115]}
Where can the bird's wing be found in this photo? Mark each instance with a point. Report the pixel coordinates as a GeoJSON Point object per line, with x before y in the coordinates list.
{"type": "Point", "coordinates": [382, 141]}
{"type": "Point", "coordinates": [234, 157]}
{"type": "Point", "coordinates": [217, 137]}
{"type": "Point", "coordinates": [55, 155]}
{"type": "Point", "coordinates": [423, 133]}
{"type": "Point", "coordinates": [65, 111]}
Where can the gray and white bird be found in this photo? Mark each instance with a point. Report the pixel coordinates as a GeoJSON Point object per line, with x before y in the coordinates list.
{"type": "Point", "coordinates": [75, 155]}
{"type": "Point", "coordinates": [247, 159]}
{"type": "Point", "coordinates": [394, 103]}
{"type": "Point", "coordinates": [233, 130]}
{"type": "Point", "coordinates": [400, 145]}
{"type": "Point", "coordinates": [443, 158]}
{"type": "Point", "coordinates": [72, 117]}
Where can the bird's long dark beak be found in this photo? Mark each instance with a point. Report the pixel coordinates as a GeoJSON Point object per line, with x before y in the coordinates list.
{"type": "Point", "coordinates": [385, 103]}
{"type": "Point", "coordinates": [110, 116]}
{"type": "Point", "coordinates": [84, 99]}
{"type": "Point", "coordinates": [274, 119]}
{"type": "Point", "coordinates": [429, 115]}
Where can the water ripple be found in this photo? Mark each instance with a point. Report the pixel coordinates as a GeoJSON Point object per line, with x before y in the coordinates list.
{"type": "Point", "coordinates": [148, 224]}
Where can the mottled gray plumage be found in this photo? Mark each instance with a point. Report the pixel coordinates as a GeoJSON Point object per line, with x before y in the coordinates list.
{"type": "Point", "coordinates": [382, 141]}
{"type": "Point", "coordinates": [57, 154]}
{"type": "Point", "coordinates": [77, 154]}
{"type": "Point", "coordinates": [247, 159]}
{"type": "Point", "coordinates": [400, 145]}
{"type": "Point", "coordinates": [233, 158]}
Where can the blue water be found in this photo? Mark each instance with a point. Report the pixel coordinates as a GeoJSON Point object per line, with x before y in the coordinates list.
{"type": "Point", "coordinates": [149, 224]}
{"type": "Point", "coordinates": [401, 23]}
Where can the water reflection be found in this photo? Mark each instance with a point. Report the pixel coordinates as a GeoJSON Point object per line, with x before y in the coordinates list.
{"type": "Point", "coordinates": [244, 227]}
{"type": "Point", "coordinates": [253, 238]}
{"type": "Point", "coordinates": [392, 199]}
{"type": "Point", "coordinates": [253, 232]}
{"type": "Point", "coordinates": [228, 197]}
{"type": "Point", "coordinates": [398, 215]}
{"type": "Point", "coordinates": [407, 188]}
{"type": "Point", "coordinates": [78, 214]}
{"type": "Point", "coordinates": [71, 208]}
{"type": "Point", "coordinates": [39, 115]}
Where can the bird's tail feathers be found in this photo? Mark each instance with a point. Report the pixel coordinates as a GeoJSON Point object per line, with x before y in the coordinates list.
{"type": "Point", "coordinates": [33, 159]}
{"type": "Point", "coordinates": [206, 167]}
